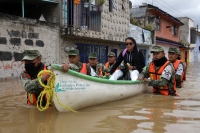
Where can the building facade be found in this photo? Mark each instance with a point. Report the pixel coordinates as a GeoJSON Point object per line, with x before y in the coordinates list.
{"type": "Point", "coordinates": [167, 27]}
{"type": "Point", "coordinates": [197, 48]}
{"type": "Point", "coordinates": [55, 26]}
{"type": "Point", "coordinates": [188, 37]}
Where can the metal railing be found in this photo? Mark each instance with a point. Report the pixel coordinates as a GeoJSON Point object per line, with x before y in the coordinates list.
{"type": "Point", "coordinates": [88, 18]}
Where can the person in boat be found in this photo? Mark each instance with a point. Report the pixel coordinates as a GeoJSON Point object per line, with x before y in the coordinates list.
{"type": "Point", "coordinates": [133, 58]}
{"type": "Point", "coordinates": [75, 64]}
{"type": "Point", "coordinates": [161, 73]}
{"type": "Point", "coordinates": [96, 68]}
{"type": "Point", "coordinates": [33, 65]}
{"type": "Point", "coordinates": [184, 64]}
{"type": "Point", "coordinates": [110, 63]}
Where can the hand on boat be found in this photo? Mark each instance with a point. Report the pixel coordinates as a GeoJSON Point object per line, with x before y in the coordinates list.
{"type": "Point", "coordinates": [65, 67]}
{"type": "Point", "coordinates": [147, 80]}
{"type": "Point", "coordinates": [107, 74]}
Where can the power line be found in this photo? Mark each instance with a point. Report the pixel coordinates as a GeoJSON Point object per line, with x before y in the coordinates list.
{"type": "Point", "coordinates": [165, 7]}
{"type": "Point", "coordinates": [172, 7]}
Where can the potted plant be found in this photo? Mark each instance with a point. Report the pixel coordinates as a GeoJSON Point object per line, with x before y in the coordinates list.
{"type": "Point", "coordinates": [100, 7]}
{"type": "Point", "coordinates": [87, 3]}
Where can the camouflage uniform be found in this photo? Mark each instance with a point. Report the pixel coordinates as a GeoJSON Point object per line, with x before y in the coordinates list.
{"type": "Point", "coordinates": [99, 66]}
{"type": "Point", "coordinates": [30, 85]}
{"type": "Point", "coordinates": [179, 70]}
{"type": "Point", "coordinates": [167, 77]}
{"type": "Point", "coordinates": [105, 68]}
{"type": "Point", "coordinates": [80, 65]}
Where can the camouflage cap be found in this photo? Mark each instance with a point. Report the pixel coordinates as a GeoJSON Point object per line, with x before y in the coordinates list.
{"type": "Point", "coordinates": [92, 55]}
{"type": "Point", "coordinates": [111, 54]}
{"type": "Point", "coordinates": [178, 52]}
{"type": "Point", "coordinates": [73, 52]}
{"type": "Point", "coordinates": [30, 54]}
{"type": "Point", "coordinates": [157, 48]}
{"type": "Point", "coordinates": [172, 50]}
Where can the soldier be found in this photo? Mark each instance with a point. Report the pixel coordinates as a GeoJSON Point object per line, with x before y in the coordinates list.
{"type": "Point", "coordinates": [161, 73]}
{"type": "Point", "coordinates": [184, 64]}
{"type": "Point", "coordinates": [95, 67]}
{"type": "Point", "coordinates": [110, 63]}
{"type": "Point", "coordinates": [75, 64]}
{"type": "Point", "coordinates": [33, 65]}
{"type": "Point", "coordinates": [178, 66]}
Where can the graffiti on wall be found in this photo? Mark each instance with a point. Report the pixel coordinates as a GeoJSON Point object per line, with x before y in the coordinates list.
{"type": "Point", "coordinates": [11, 47]}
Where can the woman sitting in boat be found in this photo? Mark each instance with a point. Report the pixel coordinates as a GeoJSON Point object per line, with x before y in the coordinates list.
{"type": "Point", "coordinates": [75, 64]}
{"type": "Point", "coordinates": [133, 59]}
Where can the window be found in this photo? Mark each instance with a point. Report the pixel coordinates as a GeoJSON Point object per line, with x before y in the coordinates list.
{"type": "Point", "coordinates": [112, 5]}
{"type": "Point", "coordinates": [85, 49]}
{"type": "Point", "coordinates": [192, 36]}
{"type": "Point", "coordinates": [175, 30]}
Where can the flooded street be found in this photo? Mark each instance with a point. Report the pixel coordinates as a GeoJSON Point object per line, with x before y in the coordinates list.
{"type": "Point", "coordinates": [144, 113]}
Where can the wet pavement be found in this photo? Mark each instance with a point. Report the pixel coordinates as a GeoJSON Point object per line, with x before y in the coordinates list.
{"type": "Point", "coordinates": [144, 113]}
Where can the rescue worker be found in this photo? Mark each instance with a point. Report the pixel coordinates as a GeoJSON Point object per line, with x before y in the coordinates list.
{"type": "Point", "coordinates": [133, 59]}
{"type": "Point", "coordinates": [75, 64]}
{"type": "Point", "coordinates": [110, 63]}
{"type": "Point", "coordinates": [96, 69]}
{"type": "Point", "coordinates": [161, 73]}
{"type": "Point", "coordinates": [184, 64]}
{"type": "Point", "coordinates": [178, 66]}
{"type": "Point", "coordinates": [33, 65]}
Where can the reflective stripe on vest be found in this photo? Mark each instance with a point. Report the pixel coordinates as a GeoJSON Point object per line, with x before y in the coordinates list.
{"type": "Point", "coordinates": [176, 64]}
{"type": "Point", "coordinates": [84, 69]}
{"type": "Point", "coordinates": [32, 98]}
{"type": "Point", "coordinates": [157, 75]}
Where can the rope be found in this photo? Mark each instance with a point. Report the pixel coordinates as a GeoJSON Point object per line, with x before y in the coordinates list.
{"type": "Point", "coordinates": [48, 92]}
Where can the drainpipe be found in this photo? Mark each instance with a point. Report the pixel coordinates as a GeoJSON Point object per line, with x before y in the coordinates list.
{"type": "Point", "coordinates": [23, 8]}
{"type": "Point", "coordinates": [70, 16]}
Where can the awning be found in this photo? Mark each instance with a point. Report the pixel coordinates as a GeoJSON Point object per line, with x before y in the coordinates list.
{"type": "Point", "coordinates": [169, 42]}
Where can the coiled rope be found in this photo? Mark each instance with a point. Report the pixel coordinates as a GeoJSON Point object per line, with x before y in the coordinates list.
{"type": "Point", "coordinates": [48, 92]}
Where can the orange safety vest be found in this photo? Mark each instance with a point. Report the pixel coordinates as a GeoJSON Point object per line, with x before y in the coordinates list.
{"type": "Point", "coordinates": [77, 2]}
{"type": "Point", "coordinates": [100, 72]}
{"type": "Point", "coordinates": [176, 63]}
{"type": "Point", "coordinates": [184, 77]}
{"type": "Point", "coordinates": [157, 75]}
{"type": "Point", "coordinates": [32, 98]}
{"type": "Point", "coordinates": [84, 69]}
{"type": "Point", "coordinates": [107, 65]}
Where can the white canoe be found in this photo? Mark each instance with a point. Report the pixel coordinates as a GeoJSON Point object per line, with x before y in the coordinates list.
{"type": "Point", "coordinates": [78, 91]}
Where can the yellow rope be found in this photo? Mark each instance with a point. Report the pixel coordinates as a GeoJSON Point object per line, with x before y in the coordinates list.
{"type": "Point", "coordinates": [48, 92]}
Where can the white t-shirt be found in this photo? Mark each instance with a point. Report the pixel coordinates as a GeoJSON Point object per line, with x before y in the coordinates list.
{"type": "Point", "coordinates": [167, 72]}
{"type": "Point", "coordinates": [179, 69]}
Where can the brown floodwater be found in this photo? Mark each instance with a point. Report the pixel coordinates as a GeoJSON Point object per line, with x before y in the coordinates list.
{"type": "Point", "coordinates": [144, 113]}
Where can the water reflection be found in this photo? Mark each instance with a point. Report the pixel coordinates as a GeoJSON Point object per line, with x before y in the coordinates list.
{"type": "Point", "coordinates": [144, 113]}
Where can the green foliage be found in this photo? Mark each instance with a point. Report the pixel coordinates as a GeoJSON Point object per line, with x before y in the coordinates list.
{"type": "Point", "coordinates": [149, 27]}
{"type": "Point", "coordinates": [134, 21]}
{"type": "Point", "coordinates": [101, 2]}
{"type": "Point", "coordinates": [185, 43]}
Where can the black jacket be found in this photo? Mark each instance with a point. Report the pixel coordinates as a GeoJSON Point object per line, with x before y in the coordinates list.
{"type": "Point", "coordinates": [129, 58]}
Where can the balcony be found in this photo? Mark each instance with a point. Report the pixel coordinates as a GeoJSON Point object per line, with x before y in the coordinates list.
{"type": "Point", "coordinates": [87, 18]}
{"type": "Point", "coordinates": [192, 45]}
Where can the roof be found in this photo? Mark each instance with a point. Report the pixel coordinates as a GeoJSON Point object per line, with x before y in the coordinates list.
{"type": "Point", "coordinates": [169, 42]}
{"type": "Point", "coordinates": [141, 11]}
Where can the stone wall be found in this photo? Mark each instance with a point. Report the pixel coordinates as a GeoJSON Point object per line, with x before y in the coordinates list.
{"type": "Point", "coordinates": [18, 34]}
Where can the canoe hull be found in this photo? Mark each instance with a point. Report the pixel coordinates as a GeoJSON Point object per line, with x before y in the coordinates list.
{"type": "Point", "coordinates": [79, 93]}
